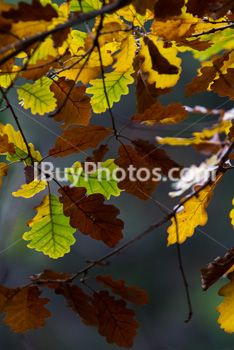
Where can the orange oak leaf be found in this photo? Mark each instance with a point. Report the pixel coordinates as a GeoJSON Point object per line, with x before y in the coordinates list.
{"type": "Point", "coordinates": [116, 322]}
{"type": "Point", "coordinates": [91, 216]}
{"type": "Point", "coordinates": [45, 278]}
{"type": "Point", "coordinates": [132, 294]}
{"type": "Point", "coordinates": [135, 181]}
{"type": "Point", "coordinates": [78, 139]}
{"type": "Point", "coordinates": [25, 310]}
{"type": "Point", "coordinates": [79, 302]}
{"type": "Point", "coordinates": [5, 146]}
{"type": "Point", "coordinates": [156, 157]}
{"type": "Point", "coordinates": [213, 8]}
{"type": "Point", "coordinates": [158, 114]}
{"type": "Point", "coordinates": [3, 171]}
{"type": "Point", "coordinates": [216, 269]}
{"type": "Point", "coordinates": [31, 12]}
{"type": "Point", "coordinates": [142, 6]}
{"type": "Point", "coordinates": [224, 85]}
{"type": "Point", "coordinates": [208, 74]}
{"type": "Point", "coordinates": [74, 106]}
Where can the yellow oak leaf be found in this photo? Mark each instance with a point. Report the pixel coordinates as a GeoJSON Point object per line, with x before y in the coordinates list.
{"type": "Point", "coordinates": [226, 308]}
{"type": "Point", "coordinates": [126, 55]}
{"type": "Point", "coordinates": [192, 215]}
{"type": "Point", "coordinates": [85, 71]}
{"type": "Point", "coordinates": [161, 63]}
{"type": "Point", "coordinates": [29, 190]}
{"type": "Point", "coordinates": [129, 14]}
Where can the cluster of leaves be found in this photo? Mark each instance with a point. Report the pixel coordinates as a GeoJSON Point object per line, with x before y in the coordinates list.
{"type": "Point", "coordinates": [73, 73]}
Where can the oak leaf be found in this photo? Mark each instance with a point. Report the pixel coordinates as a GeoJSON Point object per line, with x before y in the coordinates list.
{"type": "Point", "coordinates": [51, 232]}
{"type": "Point", "coordinates": [132, 183]}
{"type": "Point", "coordinates": [224, 85]}
{"type": "Point", "coordinates": [126, 55]}
{"type": "Point", "coordinates": [5, 146]}
{"type": "Point", "coordinates": [156, 157]}
{"type": "Point", "coordinates": [147, 94]}
{"type": "Point", "coordinates": [159, 62]}
{"type": "Point", "coordinates": [116, 322]}
{"type": "Point", "coordinates": [132, 294]}
{"type": "Point", "coordinates": [78, 139]}
{"type": "Point", "coordinates": [167, 8]}
{"type": "Point", "coordinates": [193, 213]}
{"type": "Point", "coordinates": [226, 308]}
{"type": "Point", "coordinates": [25, 310]}
{"type": "Point", "coordinates": [158, 114]}
{"type": "Point", "coordinates": [91, 216]}
{"type": "Point", "coordinates": [206, 75]}
{"type": "Point", "coordinates": [37, 97]}
{"type": "Point", "coordinates": [116, 85]}
{"type": "Point", "coordinates": [74, 106]}
{"type": "Point", "coordinates": [31, 12]}
{"type": "Point", "coordinates": [98, 154]}
{"type": "Point", "coordinates": [79, 302]}
{"type": "Point", "coordinates": [102, 180]}
{"type": "Point", "coordinates": [216, 269]}
{"type": "Point", "coordinates": [29, 190]}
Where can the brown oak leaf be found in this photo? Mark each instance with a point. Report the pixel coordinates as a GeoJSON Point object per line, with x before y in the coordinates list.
{"type": "Point", "coordinates": [91, 216]}
{"type": "Point", "coordinates": [135, 181]}
{"type": "Point", "coordinates": [132, 294]}
{"type": "Point", "coordinates": [31, 12]}
{"type": "Point", "coordinates": [25, 310]}
{"type": "Point", "coordinates": [44, 278]}
{"type": "Point", "coordinates": [73, 105]}
{"type": "Point", "coordinates": [79, 302]}
{"type": "Point", "coordinates": [216, 269]}
{"type": "Point", "coordinates": [116, 322]}
{"type": "Point", "coordinates": [78, 139]}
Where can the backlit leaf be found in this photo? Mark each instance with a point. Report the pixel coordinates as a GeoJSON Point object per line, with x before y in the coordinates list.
{"type": "Point", "coordinates": [125, 56]}
{"type": "Point", "coordinates": [226, 308]}
{"type": "Point", "coordinates": [51, 278]}
{"type": "Point", "coordinates": [193, 214]}
{"type": "Point", "coordinates": [5, 146]}
{"type": "Point", "coordinates": [100, 181]}
{"type": "Point", "coordinates": [78, 139]}
{"type": "Point", "coordinates": [91, 216]}
{"type": "Point", "coordinates": [161, 64]}
{"type": "Point", "coordinates": [38, 98]}
{"type": "Point", "coordinates": [25, 310]}
{"type": "Point", "coordinates": [116, 85]}
{"type": "Point", "coordinates": [216, 269]}
{"type": "Point", "coordinates": [116, 322]}
{"type": "Point", "coordinates": [31, 12]}
{"type": "Point", "coordinates": [29, 190]}
{"type": "Point", "coordinates": [50, 233]}
{"type": "Point", "coordinates": [79, 302]}
{"type": "Point", "coordinates": [141, 186]}
{"type": "Point", "coordinates": [132, 294]}
{"type": "Point", "coordinates": [85, 6]}
{"type": "Point", "coordinates": [158, 114]}
{"type": "Point", "coordinates": [74, 106]}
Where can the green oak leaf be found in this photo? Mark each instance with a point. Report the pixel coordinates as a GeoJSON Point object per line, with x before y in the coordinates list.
{"type": "Point", "coordinates": [51, 232]}
{"type": "Point", "coordinates": [116, 85]}
{"type": "Point", "coordinates": [100, 181]}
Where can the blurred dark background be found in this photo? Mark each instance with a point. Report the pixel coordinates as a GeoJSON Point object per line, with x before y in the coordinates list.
{"type": "Point", "coordinates": [149, 264]}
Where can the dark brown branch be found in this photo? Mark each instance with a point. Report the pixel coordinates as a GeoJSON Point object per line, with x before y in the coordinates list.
{"type": "Point", "coordinates": [213, 30]}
